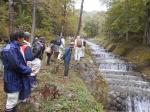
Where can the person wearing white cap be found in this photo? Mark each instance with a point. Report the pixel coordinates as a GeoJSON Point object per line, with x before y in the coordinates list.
{"type": "Point", "coordinates": [27, 37]}
{"type": "Point", "coordinates": [32, 61]}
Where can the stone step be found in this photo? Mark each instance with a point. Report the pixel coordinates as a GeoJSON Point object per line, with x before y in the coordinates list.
{"type": "Point", "coordinates": [131, 83]}
{"type": "Point", "coordinates": [111, 61]}
{"type": "Point", "coordinates": [122, 77]}
{"type": "Point", "coordinates": [112, 72]}
{"type": "Point", "coordinates": [130, 90]}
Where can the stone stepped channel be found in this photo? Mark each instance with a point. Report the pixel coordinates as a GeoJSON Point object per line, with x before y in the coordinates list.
{"type": "Point", "coordinates": [129, 91]}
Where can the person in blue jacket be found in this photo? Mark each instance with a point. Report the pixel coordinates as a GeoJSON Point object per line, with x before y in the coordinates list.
{"type": "Point", "coordinates": [26, 47]}
{"type": "Point", "coordinates": [27, 54]}
{"type": "Point", "coordinates": [67, 57]}
{"type": "Point", "coordinates": [16, 71]}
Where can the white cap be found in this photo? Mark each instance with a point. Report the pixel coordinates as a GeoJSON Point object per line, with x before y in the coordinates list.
{"type": "Point", "coordinates": [27, 34]}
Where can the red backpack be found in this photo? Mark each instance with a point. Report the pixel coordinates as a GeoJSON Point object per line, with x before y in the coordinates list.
{"type": "Point", "coordinates": [22, 49]}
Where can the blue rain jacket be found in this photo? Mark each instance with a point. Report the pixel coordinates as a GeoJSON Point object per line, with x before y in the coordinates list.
{"type": "Point", "coordinates": [15, 71]}
{"type": "Point", "coordinates": [67, 55]}
{"type": "Point", "coordinates": [27, 52]}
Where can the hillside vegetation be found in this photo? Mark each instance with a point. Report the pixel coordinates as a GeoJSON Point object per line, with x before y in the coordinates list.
{"type": "Point", "coordinates": [51, 16]}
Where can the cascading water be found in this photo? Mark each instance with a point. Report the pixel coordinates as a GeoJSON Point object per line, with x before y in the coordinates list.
{"type": "Point", "coordinates": [129, 92]}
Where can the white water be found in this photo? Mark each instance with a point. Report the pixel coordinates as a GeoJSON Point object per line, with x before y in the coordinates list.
{"type": "Point", "coordinates": [121, 78]}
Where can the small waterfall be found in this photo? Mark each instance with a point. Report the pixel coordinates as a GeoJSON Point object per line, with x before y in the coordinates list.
{"type": "Point", "coordinates": [138, 104]}
{"type": "Point", "coordinates": [129, 92]}
{"type": "Point", "coordinates": [115, 66]}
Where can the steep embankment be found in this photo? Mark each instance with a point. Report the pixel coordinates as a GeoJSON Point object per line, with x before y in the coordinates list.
{"type": "Point", "coordinates": [133, 50]}
{"type": "Point", "coordinates": [79, 93]}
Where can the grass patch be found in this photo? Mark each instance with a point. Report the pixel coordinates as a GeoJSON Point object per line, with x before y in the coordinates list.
{"type": "Point", "coordinates": [81, 100]}
{"type": "Point", "coordinates": [73, 93]}
{"type": "Point", "coordinates": [2, 95]}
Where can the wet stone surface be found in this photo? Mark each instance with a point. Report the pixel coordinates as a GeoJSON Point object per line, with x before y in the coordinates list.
{"type": "Point", "coordinates": [129, 91]}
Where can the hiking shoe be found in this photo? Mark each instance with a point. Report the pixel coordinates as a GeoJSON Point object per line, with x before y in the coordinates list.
{"type": "Point", "coordinates": [66, 77]}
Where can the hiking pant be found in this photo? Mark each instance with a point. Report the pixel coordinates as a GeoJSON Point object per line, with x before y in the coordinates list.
{"type": "Point", "coordinates": [33, 81]}
{"type": "Point", "coordinates": [12, 100]}
{"type": "Point", "coordinates": [78, 53]}
{"type": "Point", "coordinates": [83, 50]}
{"type": "Point", "coordinates": [60, 52]}
{"type": "Point", "coordinates": [66, 70]}
{"type": "Point", "coordinates": [49, 57]}
{"type": "Point", "coordinates": [35, 66]}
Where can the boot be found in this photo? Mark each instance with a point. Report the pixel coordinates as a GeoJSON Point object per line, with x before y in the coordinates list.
{"type": "Point", "coordinates": [10, 110]}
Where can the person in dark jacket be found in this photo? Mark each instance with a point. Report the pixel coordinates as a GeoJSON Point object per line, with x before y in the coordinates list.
{"type": "Point", "coordinates": [26, 47]}
{"type": "Point", "coordinates": [16, 71]}
{"type": "Point", "coordinates": [67, 57]}
{"type": "Point", "coordinates": [51, 45]}
{"type": "Point", "coordinates": [37, 50]}
{"type": "Point", "coordinates": [27, 54]}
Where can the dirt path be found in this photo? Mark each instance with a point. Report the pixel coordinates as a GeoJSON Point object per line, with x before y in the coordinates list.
{"type": "Point", "coordinates": [2, 95]}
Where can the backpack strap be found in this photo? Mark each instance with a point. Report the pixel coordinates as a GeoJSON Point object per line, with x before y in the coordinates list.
{"type": "Point", "coordinates": [22, 49]}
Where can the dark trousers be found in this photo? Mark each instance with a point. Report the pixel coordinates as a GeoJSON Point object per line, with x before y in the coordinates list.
{"type": "Point", "coordinates": [11, 110]}
{"type": "Point", "coordinates": [49, 57]}
{"type": "Point", "coordinates": [33, 81]}
{"type": "Point", "coordinates": [66, 70]}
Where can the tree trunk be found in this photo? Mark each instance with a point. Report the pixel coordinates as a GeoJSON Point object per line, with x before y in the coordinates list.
{"type": "Point", "coordinates": [11, 16]}
{"type": "Point", "coordinates": [127, 21]}
{"type": "Point", "coordinates": [80, 19]}
{"type": "Point", "coordinates": [127, 36]}
{"type": "Point", "coordinates": [147, 29]}
{"type": "Point", "coordinates": [62, 30]}
{"type": "Point", "coordinates": [33, 20]}
{"type": "Point", "coordinates": [64, 18]}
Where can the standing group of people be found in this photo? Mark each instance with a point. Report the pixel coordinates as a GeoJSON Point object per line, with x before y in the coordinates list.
{"type": "Point", "coordinates": [22, 62]}
{"type": "Point", "coordinates": [64, 52]}
{"type": "Point", "coordinates": [55, 47]}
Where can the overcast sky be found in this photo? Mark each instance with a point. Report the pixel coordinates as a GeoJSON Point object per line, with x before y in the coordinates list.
{"type": "Point", "coordinates": [91, 5]}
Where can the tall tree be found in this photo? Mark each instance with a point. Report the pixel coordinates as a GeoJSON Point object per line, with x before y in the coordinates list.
{"type": "Point", "coordinates": [93, 23]}
{"type": "Point", "coordinates": [59, 15]}
{"type": "Point", "coordinates": [64, 17]}
{"type": "Point", "coordinates": [51, 15]}
{"type": "Point", "coordinates": [33, 20]}
{"type": "Point", "coordinates": [147, 26]}
{"type": "Point", "coordinates": [127, 20]}
{"type": "Point", "coordinates": [80, 18]}
{"type": "Point", "coordinates": [11, 16]}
